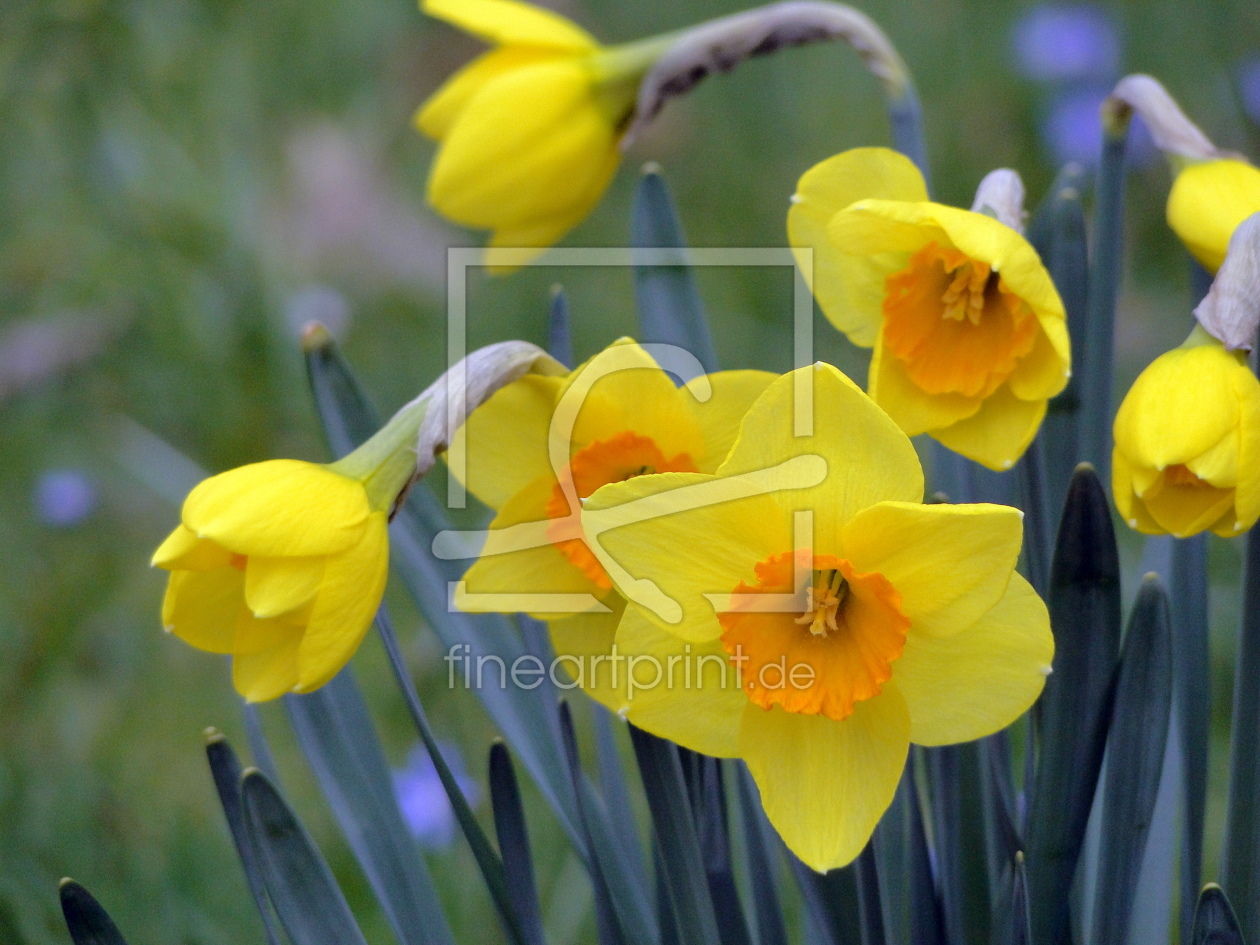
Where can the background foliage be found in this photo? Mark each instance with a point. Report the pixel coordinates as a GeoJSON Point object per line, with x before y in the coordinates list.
{"type": "Point", "coordinates": [184, 183]}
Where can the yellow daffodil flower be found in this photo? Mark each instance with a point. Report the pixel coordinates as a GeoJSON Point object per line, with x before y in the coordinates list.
{"type": "Point", "coordinates": [536, 449]}
{"type": "Point", "coordinates": [282, 564]}
{"type": "Point", "coordinates": [884, 622]}
{"type": "Point", "coordinates": [1187, 443]}
{"type": "Point", "coordinates": [1207, 202]}
{"type": "Point", "coordinates": [969, 332]}
{"type": "Point", "coordinates": [529, 131]}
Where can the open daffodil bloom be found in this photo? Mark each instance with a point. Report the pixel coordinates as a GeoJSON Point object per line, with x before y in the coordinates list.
{"type": "Point", "coordinates": [536, 449]}
{"type": "Point", "coordinates": [1187, 453]}
{"type": "Point", "coordinates": [969, 332]}
{"type": "Point", "coordinates": [858, 619]}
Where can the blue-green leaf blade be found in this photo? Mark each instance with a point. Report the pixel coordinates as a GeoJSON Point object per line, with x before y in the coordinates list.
{"type": "Point", "coordinates": [1214, 920]}
{"type": "Point", "coordinates": [311, 906]}
{"type": "Point", "coordinates": [509, 825]}
{"type": "Point", "coordinates": [87, 920]}
{"type": "Point", "coordinates": [1075, 707]}
{"type": "Point", "coordinates": [340, 743]}
{"type": "Point", "coordinates": [670, 311]}
{"type": "Point", "coordinates": [1135, 758]}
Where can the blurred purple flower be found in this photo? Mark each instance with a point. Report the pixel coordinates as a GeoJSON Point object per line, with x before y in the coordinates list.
{"type": "Point", "coordinates": [1072, 131]}
{"type": "Point", "coordinates": [64, 497]}
{"type": "Point", "coordinates": [1060, 42]}
{"type": "Point", "coordinates": [1249, 88]}
{"type": "Point", "coordinates": [425, 807]}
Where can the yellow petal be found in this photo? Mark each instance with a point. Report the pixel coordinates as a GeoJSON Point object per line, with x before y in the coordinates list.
{"type": "Point", "coordinates": [280, 507]}
{"type": "Point", "coordinates": [1181, 406]}
{"type": "Point", "coordinates": [270, 673]}
{"type": "Point", "coordinates": [503, 446]}
{"type": "Point", "coordinates": [1129, 504]}
{"type": "Point", "coordinates": [184, 551]}
{"type": "Point", "coordinates": [436, 116]}
{"type": "Point", "coordinates": [732, 393]}
{"type": "Point", "coordinates": [950, 563]}
{"type": "Point", "coordinates": [999, 432]}
{"type": "Point", "coordinates": [541, 569]}
{"type": "Point", "coordinates": [1044, 371]}
{"type": "Point", "coordinates": [868, 458]}
{"type": "Point", "coordinates": [201, 607]}
{"type": "Point", "coordinates": [875, 226]}
{"type": "Point", "coordinates": [1206, 204]}
{"type": "Point", "coordinates": [849, 289]}
{"type": "Point", "coordinates": [511, 247]}
{"type": "Point", "coordinates": [275, 586]}
{"type": "Point", "coordinates": [1247, 492]}
{"type": "Point", "coordinates": [667, 559]}
{"type": "Point", "coordinates": [825, 784]}
{"type": "Point", "coordinates": [627, 390]}
{"type": "Point", "coordinates": [910, 406]}
{"type": "Point", "coordinates": [531, 146]}
{"type": "Point", "coordinates": [583, 645]}
{"type": "Point", "coordinates": [349, 596]}
{"type": "Point", "coordinates": [507, 21]}
{"type": "Point", "coordinates": [981, 679]}
{"type": "Point", "coordinates": [686, 692]}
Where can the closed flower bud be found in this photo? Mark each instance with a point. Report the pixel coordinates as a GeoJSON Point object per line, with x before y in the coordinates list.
{"type": "Point", "coordinates": [282, 564]}
{"type": "Point", "coordinates": [1213, 190]}
{"type": "Point", "coordinates": [1187, 443]}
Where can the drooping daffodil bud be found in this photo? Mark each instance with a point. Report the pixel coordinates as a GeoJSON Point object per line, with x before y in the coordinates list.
{"type": "Point", "coordinates": [282, 563]}
{"type": "Point", "coordinates": [532, 131]}
{"type": "Point", "coordinates": [969, 332]}
{"type": "Point", "coordinates": [1187, 435]}
{"type": "Point", "coordinates": [1213, 190]}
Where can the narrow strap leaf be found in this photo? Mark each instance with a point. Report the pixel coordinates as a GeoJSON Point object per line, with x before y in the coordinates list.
{"type": "Point", "coordinates": [311, 906]}
{"type": "Point", "coordinates": [674, 827]}
{"type": "Point", "coordinates": [615, 788]}
{"type": "Point", "coordinates": [256, 736]}
{"type": "Point", "coordinates": [1214, 920]}
{"type": "Point", "coordinates": [1241, 860]}
{"type": "Point", "coordinates": [870, 909]}
{"type": "Point", "coordinates": [559, 333]}
{"type": "Point", "coordinates": [1135, 758]}
{"type": "Point", "coordinates": [1193, 694]}
{"type": "Point", "coordinates": [670, 311]}
{"type": "Point", "coordinates": [225, 769]}
{"type": "Point", "coordinates": [1012, 924]}
{"type": "Point", "coordinates": [509, 825]}
{"type": "Point", "coordinates": [1075, 707]}
{"type": "Point", "coordinates": [488, 861]}
{"type": "Point", "coordinates": [762, 863]}
{"type": "Point", "coordinates": [831, 900]}
{"type": "Point", "coordinates": [958, 822]}
{"type": "Point", "coordinates": [87, 920]}
{"type": "Point", "coordinates": [340, 743]}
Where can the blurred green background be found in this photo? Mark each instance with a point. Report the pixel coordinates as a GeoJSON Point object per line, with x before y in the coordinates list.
{"type": "Point", "coordinates": [184, 183]}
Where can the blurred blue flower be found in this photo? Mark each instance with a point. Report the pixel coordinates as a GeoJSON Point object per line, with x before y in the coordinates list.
{"type": "Point", "coordinates": [1062, 42]}
{"type": "Point", "coordinates": [425, 807]}
{"type": "Point", "coordinates": [1072, 131]}
{"type": "Point", "coordinates": [64, 497]}
{"type": "Point", "coordinates": [1249, 87]}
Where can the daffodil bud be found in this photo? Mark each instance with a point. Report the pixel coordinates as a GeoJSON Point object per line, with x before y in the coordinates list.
{"type": "Point", "coordinates": [1187, 443]}
{"type": "Point", "coordinates": [1231, 310]}
{"type": "Point", "coordinates": [1214, 190]}
{"type": "Point", "coordinates": [282, 563]}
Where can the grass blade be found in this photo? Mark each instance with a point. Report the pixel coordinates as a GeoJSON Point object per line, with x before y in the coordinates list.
{"type": "Point", "coordinates": [832, 901]}
{"type": "Point", "coordinates": [311, 906]}
{"type": "Point", "coordinates": [559, 335]}
{"type": "Point", "coordinates": [870, 908]}
{"type": "Point", "coordinates": [340, 744]}
{"type": "Point", "coordinates": [670, 311]}
{"type": "Point", "coordinates": [87, 920]}
{"type": "Point", "coordinates": [1135, 758]}
{"type": "Point", "coordinates": [958, 822]}
{"type": "Point", "coordinates": [675, 831]}
{"type": "Point", "coordinates": [509, 825]}
{"type": "Point", "coordinates": [226, 770]}
{"type": "Point", "coordinates": [1075, 707]}
{"type": "Point", "coordinates": [1214, 920]}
